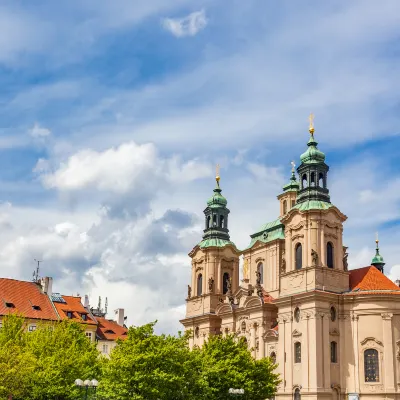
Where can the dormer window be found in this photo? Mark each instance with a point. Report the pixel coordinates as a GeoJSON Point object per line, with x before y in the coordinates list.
{"type": "Point", "coordinates": [84, 317]}
{"type": "Point", "coordinates": [109, 331]}
{"type": "Point", "coordinates": [69, 314]}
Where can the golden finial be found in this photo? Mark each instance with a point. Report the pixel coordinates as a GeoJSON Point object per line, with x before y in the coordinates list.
{"type": "Point", "coordinates": [376, 238]}
{"type": "Point", "coordinates": [311, 119]}
{"type": "Point", "coordinates": [293, 166]}
{"type": "Point", "coordinates": [217, 177]}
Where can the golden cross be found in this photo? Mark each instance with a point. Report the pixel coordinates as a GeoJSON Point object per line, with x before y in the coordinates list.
{"type": "Point", "coordinates": [311, 119]}
{"type": "Point", "coordinates": [376, 237]}
{"type": "Point", "coordinates": [293, 166]}
{"type": "Point", "coordinates": [217, 177]}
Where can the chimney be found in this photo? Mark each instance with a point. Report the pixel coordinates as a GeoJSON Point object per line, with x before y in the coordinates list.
{"type": "Point", "coordinates": [397, 282]}
{"type": "Point", "coordinates": [47, 285]}
{"type": "Point", "coordinates": [86, 303]}
{"type": "Point", "coordinates": [120, 316]}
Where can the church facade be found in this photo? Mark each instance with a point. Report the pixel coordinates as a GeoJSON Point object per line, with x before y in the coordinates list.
{"type": "Point", "coordinates": [334, 333]}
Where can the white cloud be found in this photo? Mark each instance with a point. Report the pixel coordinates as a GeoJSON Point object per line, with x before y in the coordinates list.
{"type": "Point", "coordinates": [39, 132]}
{"type": "Point", "coordinates": [186, 26]}
{"type": "Point", "coordinates": [119, 170]}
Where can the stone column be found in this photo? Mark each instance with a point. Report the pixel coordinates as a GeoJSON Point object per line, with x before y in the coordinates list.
{"type": "Point", "coordinates": [326, 351]}
{"type": "Point", "coordinates": [388, 351]}
{"type": "Point", "coordinates": [354, 323]}
{"type": "Point", "coordinates": [281, 370]}
{"type": "Point", "coordinates": [342, 350]}
{"type": "Point", "coordinates": [219, 278]}
{"type": "Point", "coordinates": [288, 252]}
{"type": "Point", "coordinates": [261, 344]}
{"type": "Point", "coordinates": [315, 352]}
{"type": "Point", "coordinates": [306, 245]}
{"type": "Point", "coordinates": [253, 339]}
{"type": "Point", "coordinates": [306, 352]}
{"type": "Point", "coordinates": [322, 246]}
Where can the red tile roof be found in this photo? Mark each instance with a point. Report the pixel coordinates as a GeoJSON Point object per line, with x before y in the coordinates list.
{"type": "Point", "coordinates": [371, 279]}
{"type": "Point", "coordinates": [74, 305]}
{"type": "Point", "coordinates": [110, 330]}
{"type": "Point", "coordinates": [24, 296]}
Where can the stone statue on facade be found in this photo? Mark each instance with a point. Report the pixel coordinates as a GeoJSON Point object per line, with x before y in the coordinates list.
{"type": "Point", "coordinates": [246, 269]}
{"type": "Point", "coordinates": [189, 292]}
{"type": "Point", "coordinates": [345, 263]}
{"type": "Point", "coordinates": [258, 278]}
{"type": "Point", "coordinates": [211, 284]}
{"type": "Point", "coordinates": [283, 265]}
{"type": "Point", "coordinates": [314, 257]}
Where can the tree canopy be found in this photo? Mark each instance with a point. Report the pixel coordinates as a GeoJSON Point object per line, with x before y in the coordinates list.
{"type": "Point", "coordinates": [45, 363]}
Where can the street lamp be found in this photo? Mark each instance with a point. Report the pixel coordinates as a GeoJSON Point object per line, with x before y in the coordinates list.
{"type": "Point", "coordinates": [85, 385]}
{"type": "Point", "coordinates": [236, 392]}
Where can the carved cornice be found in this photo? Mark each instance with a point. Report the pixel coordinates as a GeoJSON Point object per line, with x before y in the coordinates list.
{"type": "Point", "coordinates": [387, 316]}
{"type": "Point", "coordinates": [259, 259]}
{"type": "Point", "coordinates": [371, 339]}
{"type": "Point", "coordinates": [297, 236]}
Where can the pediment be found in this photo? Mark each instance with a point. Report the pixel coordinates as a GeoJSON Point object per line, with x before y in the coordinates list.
{"type": "Point", "coordinates": [223, 308]}
{"type": "Point", "coordinates": [296, 333]}
{"type": "Point", "coordinates": [252, 301]}
{"type": "Point", "coordinates": [270, 334]}
{"type": "Point", "coordinates": [371, 339]}
{"type": "Point", "coordinates": [334, 332]}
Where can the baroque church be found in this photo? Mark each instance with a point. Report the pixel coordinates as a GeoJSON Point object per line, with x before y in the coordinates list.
{"type": "Point", "coordinates": [334, 333]}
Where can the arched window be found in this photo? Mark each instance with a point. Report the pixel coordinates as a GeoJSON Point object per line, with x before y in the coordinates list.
{"type": "Point", "coordinates": [321, 179]}
{"type": "Point", "coordinates": [197, 331]}
{"type": "Point", "coordinates": [225, 281]}
{"type": "Point", "coordinates": [284, 206]}
{"type": "Point", "coordinates": [208, 222]}
{"type": "Point", "coordinates": [243, 327]}
{"type": "Point", "coordinates": [222, 221]}
{"type": "Point", "coordinates": [297, 395]}
{"type": "Point", "coordinates": [297, 314]}
{"type": "Point", "coordinates": [273, 357]}
{"type": "Point", "coordinates": [333, 314]}
{"type": "Point", "coordinates": [297, 352]}
{"type": "Point", "coordinates": [304, 182]}
{"type": "Point", "coordinates": [312, 178]}
{"type": "Point", "coordinates": [333, 352]}
{"type": "Point", "coordinates": [199, 285]}
{"type": "Point", "coordinates": [329, 255]}
{"type": "Point", "coordinates": [299, 256]}
{"type": "Point", "coordinates": [215, 220]}
{"type": "Point", "coordinates": [260, 269]}
{"type": "Point", "coordinates": [371, 365]}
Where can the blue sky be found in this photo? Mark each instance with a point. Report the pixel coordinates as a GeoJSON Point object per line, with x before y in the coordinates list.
{"type": "Point", "coordinates": [113, 115]}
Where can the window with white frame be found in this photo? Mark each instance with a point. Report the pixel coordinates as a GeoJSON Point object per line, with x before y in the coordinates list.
{"type": "Point", "coordinates": [31, 328]}
{"type": "Point", "coordinates": [105, 348]}
{"type": "Point", "coordinates": [88, 335]}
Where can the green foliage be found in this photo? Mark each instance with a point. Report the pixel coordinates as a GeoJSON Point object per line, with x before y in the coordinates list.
{"type": "Point", "coordinates": [151, 367]}
{"type": "Point", "coordinates": [227, 363]}
{"type": "Point", "coordinates": [44, 364]}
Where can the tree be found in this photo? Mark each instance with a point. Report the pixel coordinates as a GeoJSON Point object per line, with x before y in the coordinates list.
{"type": "Point", "coordinates": [146, 366]}
{"type": "Point", "coordinates": [227, 363]}
{"type": "Point", "coordinates": [44, 364]}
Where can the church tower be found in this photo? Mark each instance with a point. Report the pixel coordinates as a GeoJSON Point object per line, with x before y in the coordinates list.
{"type": "Point", "coordinates": [313, 230]}
{"type": "Point", "coordinates": [377, 261]}
{"type": "Point", "coordinates": [215, 271]}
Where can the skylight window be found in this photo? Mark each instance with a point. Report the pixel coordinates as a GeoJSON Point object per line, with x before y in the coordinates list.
{"type": "Point", "coordinates": [35, 307]}
{"type": "Point", "coordinates": [110, 331]}
{"type": "Point", "coordinates": [9, 305]}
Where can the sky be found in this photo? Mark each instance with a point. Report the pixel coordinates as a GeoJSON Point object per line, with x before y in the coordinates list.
{"type": "Point", "coordinates": [114, 114]}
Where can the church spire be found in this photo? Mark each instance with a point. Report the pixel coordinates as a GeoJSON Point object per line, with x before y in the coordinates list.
{"type": "Point", "coordinates": [313, 171]}
{"type": "Point", "coordinates": [378, 261]}
{"type": "Point", "coordinates": [216, 214]}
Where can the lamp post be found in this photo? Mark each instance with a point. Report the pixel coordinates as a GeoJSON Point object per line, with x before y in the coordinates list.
{"type": "Point", "coordinates": [85, 385]}
{"type": "Point", "coordinates": [236, 392]}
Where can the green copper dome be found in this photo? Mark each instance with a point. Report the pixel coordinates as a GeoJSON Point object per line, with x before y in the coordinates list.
{"type": "Point", "coordinates": [378, 261]}
{"type": "Point", "coordinates": [312, 155]}
{"type": "Point", "coordinates": [292, 185]}
{"type": "Point", "coordinates": [217, 200]}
